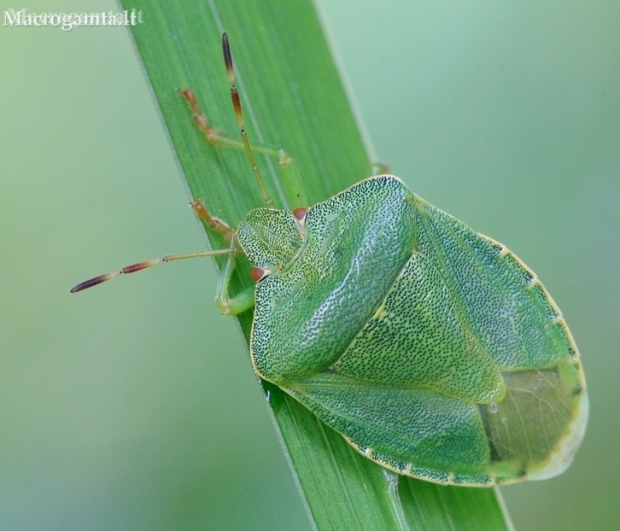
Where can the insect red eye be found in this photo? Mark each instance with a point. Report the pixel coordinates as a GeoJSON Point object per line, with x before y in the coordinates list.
{"type": "Point", "coordinates": [258, 273]}
{"type": "Point", "coordinates": [300, 213]}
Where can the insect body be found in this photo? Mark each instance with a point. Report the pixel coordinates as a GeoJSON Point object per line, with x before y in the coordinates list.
{"type": "Point", "coordinates": [432, 349]}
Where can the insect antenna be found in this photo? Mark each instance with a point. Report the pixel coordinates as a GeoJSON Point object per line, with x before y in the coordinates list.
{"type": "Point", "coordinates": [217, 225]}
{"type": "Point", "coordinates": [145, 265]}
{"type": "Point", "coordinates": [239, 115]}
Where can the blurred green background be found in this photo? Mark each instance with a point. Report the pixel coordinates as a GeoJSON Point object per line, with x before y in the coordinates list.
{"type": "Point", "coordinates": [134, 406]}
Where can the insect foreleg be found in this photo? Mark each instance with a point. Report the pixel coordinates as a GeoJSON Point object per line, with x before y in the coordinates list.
{"type": "Point", "coordinates": [239, 303]}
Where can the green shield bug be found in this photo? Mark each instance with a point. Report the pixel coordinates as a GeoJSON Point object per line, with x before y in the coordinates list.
{"type": "Point", "coordinates": [433, 350]}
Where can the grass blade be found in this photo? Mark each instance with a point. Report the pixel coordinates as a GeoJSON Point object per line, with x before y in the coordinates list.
{"type": "Point", "coordinates": [293, 98]}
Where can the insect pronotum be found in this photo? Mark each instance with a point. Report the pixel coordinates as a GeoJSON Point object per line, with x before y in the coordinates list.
{"type": "Point", "coordinates": [433, 350]}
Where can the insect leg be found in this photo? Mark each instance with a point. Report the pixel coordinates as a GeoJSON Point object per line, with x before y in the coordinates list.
{"type": "Point", "coordinates": [294, 191]}
{"type": "Point", "coordinates": [239, 303]}
{"type": "Point", "coordinates": [242, 301]}
{"type": "Point", "coordinates": [379, 168]}
{"type": "Point", "coordinates": [293, 186]}
{"type": "Point", "coordinates": [215, 223]}
{"type": "Point", "coordinates": [392, 481]}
